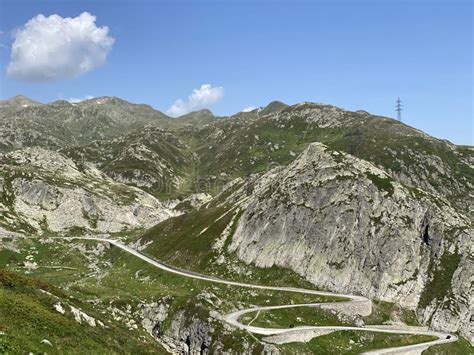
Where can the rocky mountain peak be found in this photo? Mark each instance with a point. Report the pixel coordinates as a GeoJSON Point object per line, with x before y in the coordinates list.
{"type": "Point", "coordinates": [273, 107]}
{"type": "Point", "coordinates": [60, 103]}
{"type": "Point", "coordinates": [105, 100]}
{"type": "Point", "coordinates": [115, 105]}
{"type": "Point", "coordinates": [198, 113]}
{"type": "Point", "coordinates": [198, 117]}
{"type": "Point", "coordinates": [19, 101]}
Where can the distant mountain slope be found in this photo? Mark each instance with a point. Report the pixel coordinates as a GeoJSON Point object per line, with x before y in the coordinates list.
{"type": "Point", "coordinates": [18, 101]}
{"type": "Point", "coordinates": [60, 123]}
{"type": "Point", "coordinates": [197, 150]}
{"type": "Point", "coordinates": [151, 158]}
{"type": "Point", "coordinates": [273, 107]}
{"type": "Point", "coordinates": [200, 118]}
{"type": "Point", "coordinates": [253, 143]}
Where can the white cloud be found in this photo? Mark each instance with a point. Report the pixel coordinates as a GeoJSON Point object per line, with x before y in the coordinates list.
{"type": "Point", "coordinates": [204, 97]}
{"type": "Point", "coordinates": [74, 100]}
{"type": "Point", "coordinates": [248, 109]}
{"type": "Point", "coordinates": [52, 48]}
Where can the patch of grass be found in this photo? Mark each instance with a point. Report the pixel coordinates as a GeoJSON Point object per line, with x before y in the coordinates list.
{"type": "Point", "coordinates": [382, 183]}
{"type": "Point", "coordinates": [234, 342]}
{"type": "Point", "coordinates": [9, 257]}
{"type": "Point", "coordinates": [284, 318]}
{"type": "Point", "coordinates": [440, 285]}
{"type": "Point", "coordinates": [460, 347]}
{"type": "Point", "coordinates": [186, 240]}
{"type": "Point", "coordinates": [353, 342]}
{"type": "Point", "coordinates": [291, 317]}
{"type": "Point", "coordinates": [387, 311]}
{"type": "Point", "coordinates": [12, 280]}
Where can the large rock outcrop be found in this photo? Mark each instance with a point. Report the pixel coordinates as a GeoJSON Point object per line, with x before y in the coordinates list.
{"type": "Point", "coordinates": [42, 189]}
{"type": "Point", "coordinates": [345, 225]}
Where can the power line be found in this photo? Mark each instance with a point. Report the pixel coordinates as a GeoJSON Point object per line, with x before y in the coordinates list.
{"type": "Point", "coordinates": [398, 109]}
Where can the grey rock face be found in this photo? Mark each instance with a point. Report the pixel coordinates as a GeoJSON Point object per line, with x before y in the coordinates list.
{"type": "Point", "coordinates": [345, 225]}
{"type": "Point", "coordinates": [451, 310]}
{"type": "Point", "coordinates": [50, 191]}
{"type": "Point", "coordinates": [154, 314]}
{"type": "Point", "coordinates": [187, 336]}
{"type": "Point", "coordinates": [36, 193]}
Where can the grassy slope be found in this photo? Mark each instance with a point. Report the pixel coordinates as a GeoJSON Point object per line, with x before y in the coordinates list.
{"type": "Point", "coordinates": [442, 275]}
{"type": "Point", "coordinates": [124, 281]}
{"type": "Point", "coordinates": [461, 347]}
{"type": "Point", "coordinates": [186, 241]}
{"type": "Point", "coordinates": [28, 317]}
{"type": "Point", "coordinates": [289, 318]}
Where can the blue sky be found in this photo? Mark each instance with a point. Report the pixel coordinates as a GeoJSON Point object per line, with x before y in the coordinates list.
{"type": "Point", "coordinates": [353, 54]}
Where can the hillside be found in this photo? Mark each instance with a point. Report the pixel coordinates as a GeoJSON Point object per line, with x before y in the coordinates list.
{"type": "Point", "coordinates": [39, 317]}
{"type": "Point", "coordinates": [341, 223]}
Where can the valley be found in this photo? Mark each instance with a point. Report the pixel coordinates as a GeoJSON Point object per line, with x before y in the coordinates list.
{"type": "Point", "coordinates": [286, 229]}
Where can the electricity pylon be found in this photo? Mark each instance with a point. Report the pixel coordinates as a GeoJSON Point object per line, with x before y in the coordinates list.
{"type": "Point", "coordinates": [398, 108]}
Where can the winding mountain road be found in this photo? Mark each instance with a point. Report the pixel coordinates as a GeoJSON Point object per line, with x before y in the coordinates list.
{"type": "Point", "coordinates": [354, 305]}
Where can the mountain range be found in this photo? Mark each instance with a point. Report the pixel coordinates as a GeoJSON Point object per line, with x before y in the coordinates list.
{"type": "Point", "coordinates": [343, 201]}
